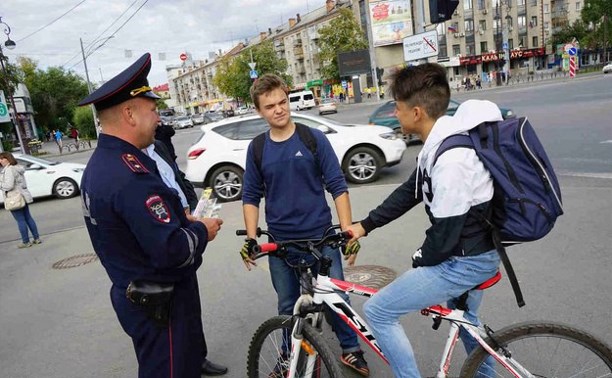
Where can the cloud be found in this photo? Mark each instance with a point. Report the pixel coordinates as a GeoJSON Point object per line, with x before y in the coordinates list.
{"type": "Point", "coordinates": [169, 27]}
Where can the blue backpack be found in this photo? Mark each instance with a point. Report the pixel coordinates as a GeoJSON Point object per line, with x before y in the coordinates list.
{"type": "Point", "coordinates": [527, 199]}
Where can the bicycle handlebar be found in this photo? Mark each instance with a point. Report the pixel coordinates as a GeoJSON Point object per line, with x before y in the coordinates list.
{"type": "Point", "coordinates": [310, 246]}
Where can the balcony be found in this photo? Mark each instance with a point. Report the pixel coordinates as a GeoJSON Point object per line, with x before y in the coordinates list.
{"type": "Point", "coordinates": [298, 52]}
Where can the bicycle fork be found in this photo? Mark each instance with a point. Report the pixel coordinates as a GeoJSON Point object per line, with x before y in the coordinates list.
{"type": "Point", "coordinates": [302, 353]}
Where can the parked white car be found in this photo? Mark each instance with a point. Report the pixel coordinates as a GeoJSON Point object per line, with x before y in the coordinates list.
{"type": "Point", "coordinates": [218, 158]}
{"type": "Point", "coordinates": [50, 178]}
{"type": "Point", "coordinates": [607, 68]}
{"type": "Point", "coordinates": [183, 122]}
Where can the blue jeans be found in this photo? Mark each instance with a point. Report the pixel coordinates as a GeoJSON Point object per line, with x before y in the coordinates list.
{"type": "Point", "coordinates": [420, 288]}
{"type": "Point", "coordinates": [24, 221]}
{"type": "Point", "coordinates": [285, 280]}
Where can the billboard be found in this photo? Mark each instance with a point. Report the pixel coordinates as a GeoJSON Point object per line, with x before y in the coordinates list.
{"type": "Point", "coordinates": [354, 62]}
{"type": "Point", "coordinates": [391, 21]}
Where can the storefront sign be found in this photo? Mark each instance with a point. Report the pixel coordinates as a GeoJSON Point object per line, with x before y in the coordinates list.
{"type": "Point", "coordinates": [495, 56]}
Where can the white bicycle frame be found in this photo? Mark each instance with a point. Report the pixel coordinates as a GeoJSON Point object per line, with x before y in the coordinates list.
{"type": "Point", "coordinates": [325, 291]}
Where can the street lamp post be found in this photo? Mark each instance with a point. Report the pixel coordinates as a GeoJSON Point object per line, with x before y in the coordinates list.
{"type": "Point", "coordinates": [10, 44]}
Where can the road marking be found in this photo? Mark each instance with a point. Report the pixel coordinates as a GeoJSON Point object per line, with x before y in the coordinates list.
{"type": "Point", "coordinates": [601, 175]}
{"type": "Point", "coordinates": [606, 141]}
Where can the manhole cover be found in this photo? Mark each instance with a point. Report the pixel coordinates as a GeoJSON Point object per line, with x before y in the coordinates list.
{"type": "Point", "coordinates": [74, 261]}
{"type": "Point", "coordinates": [374, 276]}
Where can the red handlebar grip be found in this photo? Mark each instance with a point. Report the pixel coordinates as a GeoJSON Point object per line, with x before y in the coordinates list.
{"type": "Point", "coordinates": [349, 233]}
{"type": "Point", "coordinates": [268, 247]}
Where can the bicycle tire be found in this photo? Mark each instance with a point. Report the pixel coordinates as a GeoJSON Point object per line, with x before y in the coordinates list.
{"type": "Point", "coordinates": [546, 349]}
{"type": "Point", "coordinates": [262, 358]}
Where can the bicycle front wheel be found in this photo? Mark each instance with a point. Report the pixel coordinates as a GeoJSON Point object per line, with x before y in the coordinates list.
{"type": "Point", "coordinates": [269, 347]}
{"type": "Point", "coordinates": [544, 349]}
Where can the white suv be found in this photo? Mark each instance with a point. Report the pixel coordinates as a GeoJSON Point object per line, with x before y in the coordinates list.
{"type": "Point", "coordinates": [218, 158]}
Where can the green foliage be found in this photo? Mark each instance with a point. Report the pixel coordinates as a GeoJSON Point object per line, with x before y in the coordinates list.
{"type": "Point", "coordinates": [7, 129]}
{"type": "Point", "coordinates": [161, 104]}
{"type": "Point", "coordinates": [83, 120]}
{"type": "Point", "coordinates": [593, 30]}
{"type": "Point", "coordinates": [55, 93]}
{"type": "Point", "coordinates": [343, 34]}
{"type": "Point", "coordinates": [232, 77]}
{"type": "Point", "coordinates": [14, 76]}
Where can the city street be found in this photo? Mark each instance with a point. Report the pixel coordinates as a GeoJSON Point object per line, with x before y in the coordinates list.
{"type": "Point", "coordinates": [59, 322]}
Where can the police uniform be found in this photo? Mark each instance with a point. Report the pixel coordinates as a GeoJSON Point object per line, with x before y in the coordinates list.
{"type": "Point", "coordinates": [139, 231]}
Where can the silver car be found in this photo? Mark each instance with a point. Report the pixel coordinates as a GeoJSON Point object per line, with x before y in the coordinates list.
{"type": "Point", "coordinates": [183, 122]}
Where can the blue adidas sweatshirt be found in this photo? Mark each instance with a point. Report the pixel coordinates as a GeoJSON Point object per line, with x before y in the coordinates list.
{"type": "Point", "coordinates": [293, 186]}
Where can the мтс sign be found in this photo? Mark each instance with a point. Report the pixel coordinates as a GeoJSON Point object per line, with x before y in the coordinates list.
{"type": "Point", "coordinates": [420, 46]}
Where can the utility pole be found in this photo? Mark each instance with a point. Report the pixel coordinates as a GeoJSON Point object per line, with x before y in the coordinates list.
{"type": "Point", "coordinates": [371, 49]}
{"type": "Point", "coordinates": [89, 88]}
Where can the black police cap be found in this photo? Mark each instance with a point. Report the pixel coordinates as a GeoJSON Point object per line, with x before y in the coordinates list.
{"type": "Point", "coordinates": [130, 83]}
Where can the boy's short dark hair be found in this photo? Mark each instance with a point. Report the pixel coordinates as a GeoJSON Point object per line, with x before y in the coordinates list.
{"type": "Point", "coordinates": [265, 84]}
{"type": "Point", "coordinates": [424, 85]}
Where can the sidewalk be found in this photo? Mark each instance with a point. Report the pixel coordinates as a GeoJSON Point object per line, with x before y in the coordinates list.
{"type": "Point", "coordinates": [50, 149]}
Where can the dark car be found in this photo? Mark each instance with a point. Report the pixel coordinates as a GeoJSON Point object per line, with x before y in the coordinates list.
{"type": "Point", "coordinates": [166, 120]}
{"type": "Point", "coordinates": [384, 115]}
{"type": "Point", "coordinates": [212, 117]}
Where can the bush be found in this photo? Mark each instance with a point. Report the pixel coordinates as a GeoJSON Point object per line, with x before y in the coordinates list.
{"type": "Point", "coordinates": [84, 122]}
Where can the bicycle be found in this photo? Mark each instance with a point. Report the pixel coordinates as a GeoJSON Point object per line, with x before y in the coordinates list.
{"type": "Point", "coordinates": [293, 346]}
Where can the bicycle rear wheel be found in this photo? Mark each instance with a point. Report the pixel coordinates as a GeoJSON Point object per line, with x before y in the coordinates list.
{"type": "Point", "coordinates": [268, 351]}
{"type": "Point", "coordinates": [544, 349]}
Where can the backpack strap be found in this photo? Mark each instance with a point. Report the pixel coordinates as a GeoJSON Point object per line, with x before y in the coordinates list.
{"type": "Point", "coordinates": [462, 140]}
{"type": "Point", "coordinates": [258, 147]}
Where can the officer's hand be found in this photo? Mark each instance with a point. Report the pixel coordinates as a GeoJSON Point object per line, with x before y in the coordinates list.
{"type": "Point", "coordinates": [189, 216]}
{"type": "Point", "coordinates": [417, 259]}
{"type": "Point", "coordinates": [247, 253]}
{"type": "Point", "coordinates": [213, 225]}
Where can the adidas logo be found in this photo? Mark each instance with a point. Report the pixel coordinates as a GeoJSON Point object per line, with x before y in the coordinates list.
{"type": "Point", "coordinates": [299, 153]}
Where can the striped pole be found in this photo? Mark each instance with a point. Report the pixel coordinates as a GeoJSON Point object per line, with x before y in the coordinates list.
{"type": "Point", "coordinates": [572, 66]}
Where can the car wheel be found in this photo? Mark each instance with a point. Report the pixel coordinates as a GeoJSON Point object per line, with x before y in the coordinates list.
{"type": "Point", "coordinates": [226, 183]}
{"type": "Point", "coordinates": [362, 165]}
{"type": "Point", "coordinates": [65, 188]}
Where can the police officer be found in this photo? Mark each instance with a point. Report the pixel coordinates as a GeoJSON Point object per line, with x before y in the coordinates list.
{"type": "Point", "coordinates": [140, 232]}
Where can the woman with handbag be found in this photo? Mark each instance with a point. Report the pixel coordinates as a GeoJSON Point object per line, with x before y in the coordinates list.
{"type": "Point", "coordinates": [17, 197]}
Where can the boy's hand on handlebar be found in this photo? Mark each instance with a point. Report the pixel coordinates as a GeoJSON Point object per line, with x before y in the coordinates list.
{"type": "Point", "coordinates": [353, 246]}
{"type": "Point", "coordinates": [247, 253]}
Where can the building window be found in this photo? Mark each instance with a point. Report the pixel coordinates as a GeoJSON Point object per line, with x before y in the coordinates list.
{"type": "Point", "coordinates": [520, 2]}
{"type": "Point", "coordinates": [483, 47]}
{"type": "Point", "coordinates": [522, 21]}
{"type": "Point", "coordinates": [481, 4]}
{"type": "Point", "coordinates": [545, 8]}
{"type": "Point", "coordinates": [510, 44]}
{"type": "Point", "coordinates": [534, 22]}
{"type": "Point", "coordinates": [469, 26]}
{"type": "Point", "coordinates": [467, 4]}
{"type": "Point", "coordinates": [456, 50]}
{"type": "Point", "coordinates": [441, 29]}
{"type": "Point", "coordinates": [578, 5]}
{"type": "Point", "coordinates": [469, 50]}
{"type": "Point", "coordinates": [497, 25]}
{"type": "Point", "coordinates": [509, 22]}
{"type": "Point", "coordinates": [522, 42]}
{"type": "Point", "coordinates": [482, 25]}
{"type": "Point", "coordinates": [534, 42]}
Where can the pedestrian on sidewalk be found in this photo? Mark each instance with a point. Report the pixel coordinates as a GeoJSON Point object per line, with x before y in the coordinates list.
{"type": "Point", "coordinates": [146, 242]}
{"type": "Point", "coordinates": [12, 178]}
{"type": "Point", "coordinates": [57, 135]}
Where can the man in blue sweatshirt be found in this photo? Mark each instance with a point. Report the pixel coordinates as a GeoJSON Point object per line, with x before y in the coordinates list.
{"type": "Point", "coordinates": [293, 182]}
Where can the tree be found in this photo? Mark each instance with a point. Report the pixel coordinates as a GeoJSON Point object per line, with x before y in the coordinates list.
{"type": "Point", "coordinates": [83, 120]}
{"type": "Point", "coordinates": [55, 93]}
{"type": "Point", "coordinates": [576, 31]}
{"type": "Point", "coordinates": [233, 77]}
{"type": "Point", "coordinates": [343, 34]}
{"type": "Point", "coordinates": [9, 82]}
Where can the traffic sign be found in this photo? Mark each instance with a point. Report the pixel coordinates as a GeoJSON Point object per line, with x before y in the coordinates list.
{"type": "Point", "coordinates": [420, 46]}
{"type": "Point", "coordinates": [252, 65]}
{"type": "Point", "coordinates": [253, 74]}
{"type": "Point", "coordinates": [572, 51]}
{"type": "Point", "coordinates": [4, 114]}
{"type": "Point", "coordinates": [183, 57]}
{"type": "Point", "coordinates": [505, 46]}
{"type": "Point", "coordinates": [344, 84]}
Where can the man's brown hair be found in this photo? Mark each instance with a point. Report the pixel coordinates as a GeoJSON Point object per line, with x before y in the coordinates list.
{"type": "Point", "coordinates": [8, 156]}
{"type": "Point", "coordinates": [265, 84]}
{"type": "Point", "coordinates": [425, 86]}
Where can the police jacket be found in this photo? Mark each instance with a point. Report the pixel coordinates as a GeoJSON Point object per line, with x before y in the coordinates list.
{"type": "Point", "coordinates": [457, 191]}
{"type": "Point", "coordinates": [136, 223]}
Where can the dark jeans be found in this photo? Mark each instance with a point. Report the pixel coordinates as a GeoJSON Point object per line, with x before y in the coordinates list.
{"type": "Point", "coordinates": [24, 221]}
{"type": "Point", "coordinates": [286, 283]}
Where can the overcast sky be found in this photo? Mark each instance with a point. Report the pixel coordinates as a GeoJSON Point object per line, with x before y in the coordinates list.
{"type": "Point", "coordinates": [168, 27]}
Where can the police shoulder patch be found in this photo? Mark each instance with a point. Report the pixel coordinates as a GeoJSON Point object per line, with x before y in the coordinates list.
{"type": "Point", "coordinates": [158, 208]}
{"type": "Point", "coordinates": [134, 164]}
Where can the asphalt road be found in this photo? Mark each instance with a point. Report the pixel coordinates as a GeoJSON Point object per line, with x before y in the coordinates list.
{"type": "Point", "coordinates": [58, 323]}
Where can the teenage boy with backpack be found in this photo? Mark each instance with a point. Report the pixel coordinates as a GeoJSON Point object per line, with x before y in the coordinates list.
{"type": "Point", "coordinates": [293, 175]}
{"type": "Point", "coordinates": [458, 252]}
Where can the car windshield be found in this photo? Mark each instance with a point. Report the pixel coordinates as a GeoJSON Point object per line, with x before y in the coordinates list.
{"type": "Point", "coordinates": [182, 118]}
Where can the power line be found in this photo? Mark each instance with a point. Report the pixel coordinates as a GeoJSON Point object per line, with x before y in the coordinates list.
{"type": "Point", "coordinates": [52, 22]}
